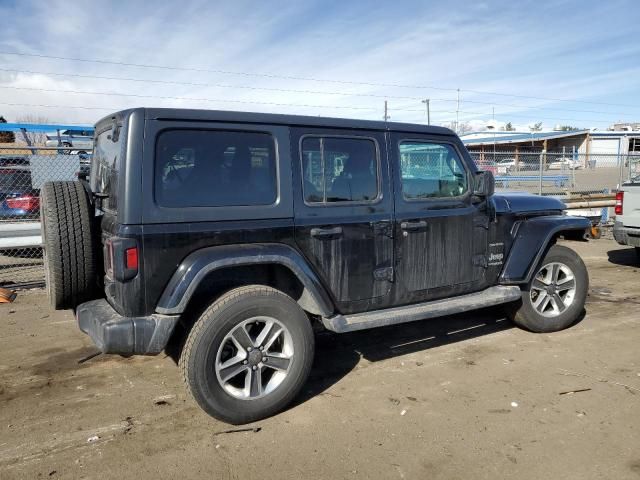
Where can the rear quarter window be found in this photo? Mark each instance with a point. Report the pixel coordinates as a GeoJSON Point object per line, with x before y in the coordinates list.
{"type": "Point", "coordinates": [104, 172]}
{"type": "Point", "coordinates": [214, 168]}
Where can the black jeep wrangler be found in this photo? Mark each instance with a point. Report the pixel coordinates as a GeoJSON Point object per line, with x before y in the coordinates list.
{"type": "Point", "coordinates": [240, 230]}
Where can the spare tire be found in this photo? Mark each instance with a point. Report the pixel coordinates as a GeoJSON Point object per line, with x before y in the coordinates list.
{"type": "Point", "coordinates": [70, 244]}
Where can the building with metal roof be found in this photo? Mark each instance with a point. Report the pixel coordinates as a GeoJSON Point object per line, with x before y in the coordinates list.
{"type": "Point", "coordinates": [580, 141]}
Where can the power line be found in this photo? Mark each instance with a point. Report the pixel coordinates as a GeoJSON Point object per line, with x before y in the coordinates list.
{"type": "Point", "coordinates": [509, 114]}
{"type": "Point", "coordinates": [468, 114]}
{"type": "Point", "coordinates": [202, 99]}
{"type": "Point", "coordinates": [225, 72]}
{"type": "Point", "coordinates": [536, 107]}
{"type": "Point", "coordinates": [166, 97]}
{"type": "Point", "coordinates": [310, 79]}
{"type": "Point", "coordinates": [220, 85]}
{"type": "Point", "coordinates": [287, 90]}
{"type": "Point", "coordinates": [54, 106]}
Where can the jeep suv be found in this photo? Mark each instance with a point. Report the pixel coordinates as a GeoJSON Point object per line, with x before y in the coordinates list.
{"type": "Point", "coordinates": [238, 231]}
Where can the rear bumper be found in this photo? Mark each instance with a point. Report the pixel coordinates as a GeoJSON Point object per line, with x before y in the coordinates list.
{"type": "Point", "coordinates": [113, 333]}
{"type": "Point", "coordinates": [626, 235]}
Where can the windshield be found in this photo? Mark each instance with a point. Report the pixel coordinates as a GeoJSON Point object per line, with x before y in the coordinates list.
{"type": "Point", "coordinates": [106, 160]}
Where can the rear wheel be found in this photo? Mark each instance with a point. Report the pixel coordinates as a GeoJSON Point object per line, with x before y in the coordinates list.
{"type": "Point", "coordinates": [69, 244]}
{"type": "Point", "coordinates": [555, 297]}
{"type": "Point", "coordinates": [248, 355]}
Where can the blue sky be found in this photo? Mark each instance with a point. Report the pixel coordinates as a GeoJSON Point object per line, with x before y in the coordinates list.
{"type": "Point", "coordinates": [330, 58]}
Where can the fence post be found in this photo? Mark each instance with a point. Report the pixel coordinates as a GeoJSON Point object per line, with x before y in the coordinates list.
{"type": "Point", "coordinates": [542, 155]}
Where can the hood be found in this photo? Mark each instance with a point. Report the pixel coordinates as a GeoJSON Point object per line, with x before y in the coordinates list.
{"type": "Point", "coordinates": [519, 203]}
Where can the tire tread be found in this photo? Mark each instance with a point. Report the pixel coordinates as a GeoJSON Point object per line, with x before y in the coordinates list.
{"type": "Point", "coordinates": [526, 317]}
{"type": "Point", "coordinates": [190, 366]}
{"type": "Point", "coordinates": [69, 241]}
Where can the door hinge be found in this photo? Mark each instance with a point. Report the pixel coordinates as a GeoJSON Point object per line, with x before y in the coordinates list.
{"type": "Point", "coordinates": [481, 221]}
{"type": "Point", "coordinates": [383, 274]}
{"type": "Point", "coordinates": [383, 228]}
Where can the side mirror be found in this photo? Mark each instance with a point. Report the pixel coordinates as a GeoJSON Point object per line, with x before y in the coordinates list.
{"type": "Point", "coordinates": [484, 184]}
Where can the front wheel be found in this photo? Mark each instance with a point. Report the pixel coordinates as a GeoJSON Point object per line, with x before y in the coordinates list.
{"type": "Point", "coordinates": [554, 299]}
{"type": "Point", "coordinates": [248, 355]}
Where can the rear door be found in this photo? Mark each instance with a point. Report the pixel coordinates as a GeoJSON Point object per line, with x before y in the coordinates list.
{"type": "Point", "coordinates": [343, 213]}
{"type": "Point", "coordinates": [441, 235]}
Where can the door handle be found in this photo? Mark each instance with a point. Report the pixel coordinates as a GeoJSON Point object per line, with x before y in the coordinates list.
{"type": "Point", "coordinates": [326, 233]}
{"type": "Point", "coordinates": [413, 226]}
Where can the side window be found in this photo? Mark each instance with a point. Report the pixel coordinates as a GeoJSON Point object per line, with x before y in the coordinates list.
{"type": "Point", "coordinates": [213, 168]}
{"type": "Point", "coordinates": [336, 169]}
{"type": "Point", "coordinates": [431, 170]}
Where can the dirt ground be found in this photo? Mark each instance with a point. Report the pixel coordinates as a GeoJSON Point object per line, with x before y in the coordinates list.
{"type": "Point", "coordinates": [465, 397]}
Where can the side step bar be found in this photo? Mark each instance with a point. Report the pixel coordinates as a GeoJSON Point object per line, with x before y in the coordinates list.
{"type": "Point", "coordinates": [410, 313]}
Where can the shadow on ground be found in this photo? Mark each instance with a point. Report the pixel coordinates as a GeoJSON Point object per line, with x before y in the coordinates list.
{"type": "Point", "coordinates": [626, 257]}
{"type": "Point", "coordinates": [338, 354]}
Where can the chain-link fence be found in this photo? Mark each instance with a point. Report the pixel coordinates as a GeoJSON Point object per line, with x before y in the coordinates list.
{"type": "Point", "coordinates": [633, 171]}
{"type": "Point", "coordinates": [566, 174]}
{"type": "Point", "coordinates": [23, 170]}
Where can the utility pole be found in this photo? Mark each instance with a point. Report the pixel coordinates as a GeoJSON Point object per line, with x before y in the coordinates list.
{"type": "Point", "coordinates": [386, 115]}
{"type": "Point", "coordinates": [457, 110]}
{"type": "Point", "coordinates": [426, 101]}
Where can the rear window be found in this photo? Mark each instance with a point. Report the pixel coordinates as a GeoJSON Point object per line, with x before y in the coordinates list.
{"type": "Point", "coordinates": [215, 168]}
{"type": "Point", "coordinates": [104, 171]}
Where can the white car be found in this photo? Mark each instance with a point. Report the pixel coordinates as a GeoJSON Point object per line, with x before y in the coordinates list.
{"type": "Point", "coordinates": [80, 139]}
{"type": "Point", "coordinates": [565, 163]}
{"type": "Point", "coordinates": [505, 165]}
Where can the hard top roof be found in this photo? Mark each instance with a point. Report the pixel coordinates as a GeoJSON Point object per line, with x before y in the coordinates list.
{"type": "Point", "coordinates": [279, 119]}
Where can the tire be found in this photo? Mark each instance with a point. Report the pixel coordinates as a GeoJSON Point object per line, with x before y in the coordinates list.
{"type": "Point", "coordinates": [531, 313]}
{"type": "Point", "coordinates": [637, 249]}
{"type": "Point", "coordinates": [70, 246]}
{"type": "Point", "coordinates": [209, 350]}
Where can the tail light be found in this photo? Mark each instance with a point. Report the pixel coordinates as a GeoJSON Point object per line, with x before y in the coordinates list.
{"type": "Point", "coordinates": [121, 258]}
{"type": "Point", "coordinates": [619, 202]}
{"type": "Point", "coordinates": [25, 202]}
{"type": "Point", "coordinates": [131, 258]}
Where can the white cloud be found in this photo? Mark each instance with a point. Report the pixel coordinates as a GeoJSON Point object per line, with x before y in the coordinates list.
{"type": "Point", "coordinates": [485, 48]}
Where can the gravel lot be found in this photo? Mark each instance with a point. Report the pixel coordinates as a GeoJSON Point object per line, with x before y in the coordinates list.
{"type": "Point", "coordinates": [466, 397]}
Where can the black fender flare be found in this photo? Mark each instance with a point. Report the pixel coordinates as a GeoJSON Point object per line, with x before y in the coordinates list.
{"type": "Point", "coordinates": [531, 240]}
{"type": "Point", "coordinates": [197, 265]}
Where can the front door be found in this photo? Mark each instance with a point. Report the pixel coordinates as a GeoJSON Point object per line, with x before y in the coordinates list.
{"type": "Point", "coordinates": [441, 234]}
{"type": "Point", "coordinates": [343, 213]}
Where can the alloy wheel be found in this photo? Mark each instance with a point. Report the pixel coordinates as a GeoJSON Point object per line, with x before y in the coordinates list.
{"type": "Point", "coordinates": [254, 358]}
{"type": "Point", "coordinates": [553, 289]}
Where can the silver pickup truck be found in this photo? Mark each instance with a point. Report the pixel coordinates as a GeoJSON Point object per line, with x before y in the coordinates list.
{"type": "Point", "coordinates": [626, 229]}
